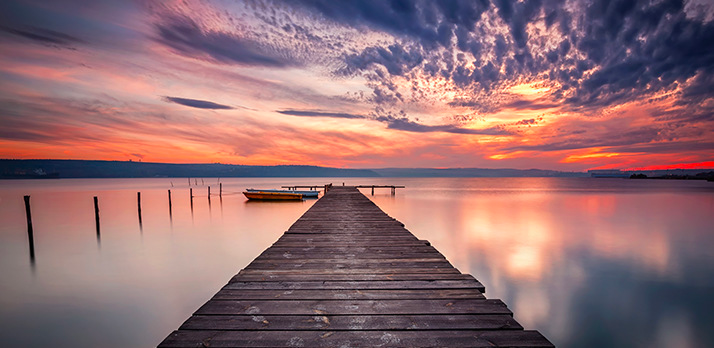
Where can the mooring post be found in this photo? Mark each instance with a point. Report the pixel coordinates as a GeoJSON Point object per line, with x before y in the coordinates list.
{"type": "Point", "coordinates": [30, 233]}
{"type": "Point", "coordinates": [372, 190]}
{"type": "Point", "coordinates": [220, 189]}
{"type": "Point", "coordinates": [169, 203]}
{"type": "Point", "coordinates": [209, 193]}
{"type": "Point", "coordinates": [190, 191]}
{"type": "Point", "coordinates": [96, 214]}
{"type": "Point", "coordinates": [138, 204]}
{"type": "Point", "coordinates": [394, 190]}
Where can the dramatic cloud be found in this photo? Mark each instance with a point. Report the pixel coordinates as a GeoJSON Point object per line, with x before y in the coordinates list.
{"type": "Point", "coordinates": [561, 84]}
{"type": "Point", "coordinates": [595, 53]}
{"type": "Point", "coordinates": [186, 37]}
{"type": "Point", "coordinates": [44, 36]}
{"type": "Point", "coordinates": [529, 105]}
{"type": "Point", "coordinates": [311, 113]}
{"type": "Point", "coordinates": [428, 22]}
{"type": "Point", "coordinates": [411, 126]}
{"type": "Point", "coordinates": [195, 103]}
{"type": "Point", "coordinates": [400, 121]}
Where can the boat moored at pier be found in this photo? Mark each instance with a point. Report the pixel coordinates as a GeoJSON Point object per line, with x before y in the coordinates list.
{"type": "Point", "coordinates": [305, 194]}
{"type": "Point", "coordinates": [272, 196]}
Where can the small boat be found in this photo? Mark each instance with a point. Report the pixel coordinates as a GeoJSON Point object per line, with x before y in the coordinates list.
{"type": "Point", "coordinates": [305, 194]}
{"type": "Point", "coordinates": [273, 196]}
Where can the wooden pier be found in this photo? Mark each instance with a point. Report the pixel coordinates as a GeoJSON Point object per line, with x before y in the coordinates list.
{"type": "Point", "coordinates": [347, 275]}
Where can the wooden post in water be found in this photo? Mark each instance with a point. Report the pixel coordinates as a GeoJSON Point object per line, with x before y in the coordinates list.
{"type": "Point", "coordinates": [372, 190]}
{"type": "Point", "coordinates": [138, 203]}
{"type": "Point", "coordinates": [190, 191]}
{"type": "Point", "coordinates": [30, 233]}
{"type": "Point", "coordinates": [209, 193]}
{"type": "Point", "coordinates": [170, 203]}
{"type": "Point", "coordinates": [96, 215]}
{"type": "Point", "coordinates": [394, 190]}
{"type": "Point", "coordinates": [220, 190]}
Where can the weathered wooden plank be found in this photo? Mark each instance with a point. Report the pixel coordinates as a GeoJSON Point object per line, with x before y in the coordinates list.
{"type": "Point", "coordinates": [354, 249]}
{"type": "Point", "coordinates": [323, 226]}
{"type": "Point", "coordinates": [317, 238]}
{"type": "Point", "coordinates": [353, 307]}
{"type": "Point", "coordinates": [304, 276]}
{"type": "Point", "coordinates": [327, 255]}
{"type": "Point", "coordinates": [424, 260]}
{"type": "Point", "coordinates": [345, 232]}
{"type": "Point", "coordinates": [351, 285]}
{"type": "Point", "coordinates": [349, 243]}
{"type": "Point", "coordinates": [315, 256]}
{"type": "Point", "coordinates": [355, 271]}
{"type": "Point", "coordinates": [314, 238]}
{"type": "Point", "coordinates": [326, 338]}
{"type": "Point", "coordinates": [351, 240]}
{"type": "Point", "coordinates": [347, 265]}
{"type": "Point", "coordinates": [363, 294]}
{"type": "Point", "coordinates": [352, 226]}
{"type": "Point", "coordinates": [352, 322]}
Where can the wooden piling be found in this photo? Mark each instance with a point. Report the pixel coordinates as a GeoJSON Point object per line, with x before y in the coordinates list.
{"type": "Point", "coordinates": [190, 192]}
{"type": "Point", "coordinates": [138, 204]}
{"type": "Point", "coordinates": [347, 274]}
{"type": "Point", "coordinates": [30, 231]}
{"type": "Point", "coordinates": [170, 206]}
{"type": "Point", "coordinates": [96, 215]}
{"type": "Point", "coordinates": [220, 189]}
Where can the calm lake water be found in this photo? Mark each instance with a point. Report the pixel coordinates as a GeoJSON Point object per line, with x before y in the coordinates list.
{"type": "Point", "coordinates": [588, 262]}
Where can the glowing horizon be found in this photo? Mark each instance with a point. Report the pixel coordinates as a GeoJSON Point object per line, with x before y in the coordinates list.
{"type": "Point", "coordinates": [564, 85]}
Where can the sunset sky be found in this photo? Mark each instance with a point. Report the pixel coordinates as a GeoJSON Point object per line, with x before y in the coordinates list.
{"type": "Point", "coordinates": [550, 84]}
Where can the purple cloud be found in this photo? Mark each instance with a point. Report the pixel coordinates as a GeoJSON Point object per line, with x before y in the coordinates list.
{"type": "Point", "coordinates": [311, 113]}
{"type": "Point", "coordinates": [196, 103]}
{"type": "Point", "coordinates": [186, 37]}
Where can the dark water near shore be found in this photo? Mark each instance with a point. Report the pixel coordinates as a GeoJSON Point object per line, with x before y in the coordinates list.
{"type": "Point", "coordinates": [588, 262]}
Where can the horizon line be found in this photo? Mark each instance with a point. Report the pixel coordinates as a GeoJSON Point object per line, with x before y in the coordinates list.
{"type": "Point", "coordinates": [680, 166]}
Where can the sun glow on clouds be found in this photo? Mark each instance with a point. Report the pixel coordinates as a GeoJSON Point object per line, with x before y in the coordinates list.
{"type": "Point", "coordinates": [459, 84]}
{"type": "Point", "coordinates": [589, 156]}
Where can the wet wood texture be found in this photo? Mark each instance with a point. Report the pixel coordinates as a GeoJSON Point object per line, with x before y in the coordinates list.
{"type": "Point", "coordinates": [347, 275]}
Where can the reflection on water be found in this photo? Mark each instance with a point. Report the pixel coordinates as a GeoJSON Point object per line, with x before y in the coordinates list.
{"type": "Point", "coordinates": [588, 262]}
{"type": "Point", "coordinates": [134, 288]}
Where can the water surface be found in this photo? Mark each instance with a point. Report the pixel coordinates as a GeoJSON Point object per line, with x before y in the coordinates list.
{"type": "Point", "coordinates": [588, 262]}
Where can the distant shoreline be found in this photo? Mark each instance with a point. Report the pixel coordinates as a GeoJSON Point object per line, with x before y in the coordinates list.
{"type": "Point", "coordinates": [708, 176]}
{"type": "Point", "coordinates": [92, 169]}
{"type": "Point", "coordinates": [40, 169]}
